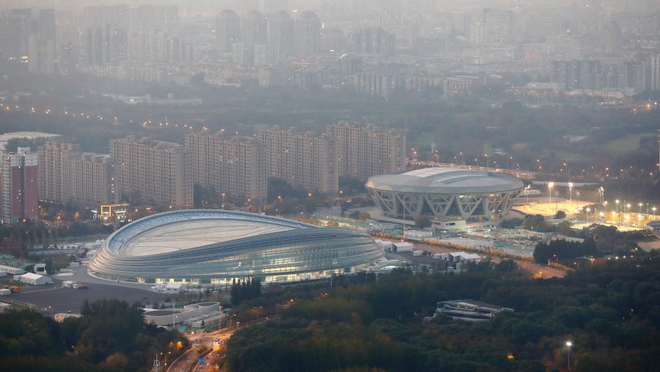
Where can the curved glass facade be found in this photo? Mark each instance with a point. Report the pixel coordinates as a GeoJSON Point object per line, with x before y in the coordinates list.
{"type": "Point", "coordinates": [298, 252]}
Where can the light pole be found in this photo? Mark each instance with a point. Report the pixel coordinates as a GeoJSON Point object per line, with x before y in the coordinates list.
{"type": "Point", "coordinates": [568, 363]}
{"type": "Point", "coordinates": [654, 209]}
{"type": "Point", "coordinates": [618, 219]}
{"type": "Point", "coordinates": [332, 272]}
{"type": "Point", "coordinates": [223, 200]}
{"type": "Point", "coordinates": [640, 208]}
{"type": "Point", "coordinates": [570, 191]}
{"type": "Point", "coordinates": [588, 211]}
{"type": "Point", "coordinates": [550, 186]}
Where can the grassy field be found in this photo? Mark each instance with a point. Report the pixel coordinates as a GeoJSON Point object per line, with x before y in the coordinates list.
{"type": "Point", "coordinates": [626, 144]}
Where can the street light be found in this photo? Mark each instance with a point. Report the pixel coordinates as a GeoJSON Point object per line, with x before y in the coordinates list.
{"type": "Point", "coordinates": [568, 364]}
{"type": "Point", "coordinates": [550, 186]}
{"type": "Point", "coordinates": [570, 191]}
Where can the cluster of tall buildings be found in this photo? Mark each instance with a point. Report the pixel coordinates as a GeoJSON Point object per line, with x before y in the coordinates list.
{"type": "Point", "coordinates": [116, 34]}
{"type": "Point", "coordinates": [142, 171]}
{"type": "Point", "coordinates": [28, 36]}
{"type": "Point", "coordinates": [241, 167]}
{"type": "Point", "coordinates": [258, 39]}
{"type": "Point", "coordinates": [640, 75]}
{"type": "Point", "coordinates": [66, 174]}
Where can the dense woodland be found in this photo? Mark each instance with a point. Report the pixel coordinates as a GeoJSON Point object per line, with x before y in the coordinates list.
{"type": "Point", "coordinates": [110, 336]}
{"type": "Point", "coordinates": [610, 311]}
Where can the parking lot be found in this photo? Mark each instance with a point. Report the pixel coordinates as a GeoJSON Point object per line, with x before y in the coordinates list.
{"type": "Point", "coordinates": [55, 299]}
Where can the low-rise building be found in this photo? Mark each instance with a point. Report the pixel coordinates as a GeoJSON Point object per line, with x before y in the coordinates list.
{"type": "Point", "coordinates": [11, 270]}
{"type": "Point", "coordinates": [469, 310]}
{"type": "Point", "coordinates": [34, 279]}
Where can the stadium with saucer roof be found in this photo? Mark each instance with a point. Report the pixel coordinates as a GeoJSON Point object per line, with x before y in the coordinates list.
{"type": "Point", "coordinates": [216, 247]}
{"type": "Point", "coordinates": [444, 194]}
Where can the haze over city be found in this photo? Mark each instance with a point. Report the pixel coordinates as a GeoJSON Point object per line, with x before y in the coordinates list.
{"type": "Point", "coordinates": [329, 185]}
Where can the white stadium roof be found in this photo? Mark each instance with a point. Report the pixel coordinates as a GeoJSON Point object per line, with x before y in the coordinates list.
{"type": "Point", "coordinates": [445, 181]}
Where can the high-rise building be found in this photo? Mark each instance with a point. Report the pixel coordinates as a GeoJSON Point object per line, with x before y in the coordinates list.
{"type": "Point", "coordinates": [307, 34]}
{"type": "Point", "coordinates": [19, 198]}
{"type": "Point", "coordinates": [577, 74]}
{"type": "Point", "coordinates": [304, 160]}
{"type": "Point", "coordinates": [254, 28]}
{"type": "Point", "coordinates": [66, 174]}
{"type": "Point", "coordinates": [152, 172]}
{"type": "Point", "coordinates": [497, 25]}
{"type": "Point", "coordinates": [54, 160]}
{"type": "Point", "coordinates": [280, 35]}
{"type": "Point", "coordinates": [373, 41]}
{"type": "Point", "coordinates": [105, 35]}
{"type": "Point", "coordinates": [232, 166]}
{"type": "Point", "coordinates": [115, 34]}
{"type": "Point", "coordinates": [654, 72]}
{"type": "Point", "coordinates": [365, 151]}
{"type": "Point", "coordinates": [228, 30]}
{"type": "Point", "coordinates": [92, 179]}
{"type": "Point", "coordinates": [29, 36]}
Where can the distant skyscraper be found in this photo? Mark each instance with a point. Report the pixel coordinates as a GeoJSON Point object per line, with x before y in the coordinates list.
{"type": "Point", "coordinates": [280, 34]}
{"type": "Point", "coordinates": [105, 35]}
{"type": "Point", "coordinates": [254, 28]}
{"type": "Point", "coordinates": [228, 30]}
{"type": "Point", "coordinates": [654, 72]}
{"type": "Point", "coordinates": [19, 195]}
{"type": "Point", "coordinates": [307, 34]}
{"type": "Point", "coordinates": [498, 25]}
{"type": "Point", "coordinates": [29, 36]}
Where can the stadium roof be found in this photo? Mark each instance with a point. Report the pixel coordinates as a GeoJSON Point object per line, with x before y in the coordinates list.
{"type": "Point", "coordinates": [445, 181]}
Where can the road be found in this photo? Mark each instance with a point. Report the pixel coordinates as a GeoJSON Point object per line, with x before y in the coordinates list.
{"type": "Point", "coordinates": [188, 361]}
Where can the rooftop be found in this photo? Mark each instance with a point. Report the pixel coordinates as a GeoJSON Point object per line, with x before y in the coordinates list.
{"type": "Point", "coordinates": [445, 181]}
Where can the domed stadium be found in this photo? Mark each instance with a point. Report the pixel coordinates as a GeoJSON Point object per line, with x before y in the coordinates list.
{"type": "Point", "coordinates": [216, 247]}
{"type": "Point", "coordinates": [444, 193]}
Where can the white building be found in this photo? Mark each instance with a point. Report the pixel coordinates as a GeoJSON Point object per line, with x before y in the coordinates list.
{"type": "Point", "coordinates": [403, 246]}
{"type": "Point", "coordinates": [34, 279]}
{"type": "Point", "coordinates": [11, 270]}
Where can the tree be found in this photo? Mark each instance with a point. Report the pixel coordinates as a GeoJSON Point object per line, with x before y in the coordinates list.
{"type": "Point", "coordinates": [310, 205]}
{"type": "Point", "coordinates": [355, 215]}
{"type": "Point", "coordinates": [423, 222]}
{"type": "Point", "coordinates": [560, 215]}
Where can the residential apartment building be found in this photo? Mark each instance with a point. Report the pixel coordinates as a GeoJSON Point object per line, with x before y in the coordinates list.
{"type": "Point", "coordinates": [232, 166]}
{"type": "Point", "coordinates": [304, 160]}
{"type": "Point", "coordinates": [54, 160]}
{"type": "Point", "coordinates": [92, 179]}
{"type": "Point", "coordinates": [154, 172]}
{"type": "Point", "coordinates": [365, 151]}
{"type": "Point", "coordinates": [18, 186]}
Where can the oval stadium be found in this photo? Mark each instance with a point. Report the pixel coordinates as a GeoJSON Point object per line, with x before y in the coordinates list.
{"type": "Point", "coordinates": [444, 194]}
{"type": "Point", "coordinates": [216, 247]}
